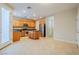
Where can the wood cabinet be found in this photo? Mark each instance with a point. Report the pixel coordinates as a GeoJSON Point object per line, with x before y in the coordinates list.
{"type": "Point", "coordinates": [23, 33]}
{"type": "Point", "coordinates": [34, 34]}
{"type": "Point", "coordinates": [16, 36]}
{"type": "Point", "coordinates": [20, 22]}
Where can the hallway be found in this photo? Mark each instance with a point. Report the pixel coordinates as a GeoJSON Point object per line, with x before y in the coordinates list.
{"type": "Point", "coordinates": [43, 46]}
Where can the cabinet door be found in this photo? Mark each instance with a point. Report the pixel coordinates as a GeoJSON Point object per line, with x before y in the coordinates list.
{"type": "Point", "coordinates": [16, 36]}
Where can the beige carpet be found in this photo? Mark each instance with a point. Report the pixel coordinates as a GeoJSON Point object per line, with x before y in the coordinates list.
{"type": "Point", "coordinates": [43, 46]}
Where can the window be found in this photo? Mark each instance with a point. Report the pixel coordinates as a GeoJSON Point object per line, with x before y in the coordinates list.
{"type": "Point", "coordinates": [5, 25]}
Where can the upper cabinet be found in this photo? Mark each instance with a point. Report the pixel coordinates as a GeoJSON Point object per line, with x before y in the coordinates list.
{"type": "Point", "coordinates": [20, 22]}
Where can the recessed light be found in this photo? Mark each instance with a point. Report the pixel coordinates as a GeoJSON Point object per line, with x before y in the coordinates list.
{"type": "Point", "coordinates": [14, 13]}
{"type": "Point", "coordinates": [40, 17]}
{"type": "Point", "coordinates": [24, 11]}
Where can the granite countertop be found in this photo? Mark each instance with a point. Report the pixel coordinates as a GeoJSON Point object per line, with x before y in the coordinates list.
{"type": "Point", "coordinates": [17, 28]}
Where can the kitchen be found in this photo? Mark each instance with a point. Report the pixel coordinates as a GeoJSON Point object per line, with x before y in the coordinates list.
{"type": "Point", "coordinates": [27, 28]}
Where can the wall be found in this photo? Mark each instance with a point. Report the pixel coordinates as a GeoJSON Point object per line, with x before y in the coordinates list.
{"type": "Point", "coordinates": [42, 21]}
{"type": "Point", "coordinates": [37, 25]}
{"type": "Point", "coordinates": [64, 26]}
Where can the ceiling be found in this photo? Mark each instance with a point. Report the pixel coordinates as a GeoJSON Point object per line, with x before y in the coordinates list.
{"type": "Point", "coordinates": [39, 10]}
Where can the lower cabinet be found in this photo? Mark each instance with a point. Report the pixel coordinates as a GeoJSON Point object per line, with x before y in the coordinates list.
{"type": "Point", "coordinates": [16, 36]}
{"type": "Point", "coordinates": [34, 35]}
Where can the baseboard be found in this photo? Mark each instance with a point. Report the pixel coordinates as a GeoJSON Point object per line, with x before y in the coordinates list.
{"type": "Point", "coordinates": [67, 41]}
{"type": "Point", "coordinates": [3, 45]}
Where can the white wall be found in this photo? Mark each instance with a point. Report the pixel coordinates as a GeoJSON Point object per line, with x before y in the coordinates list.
{"type": "Point", "coordinates": [37, 25]}
{"type": "Point", "coordinates": [64, 26]}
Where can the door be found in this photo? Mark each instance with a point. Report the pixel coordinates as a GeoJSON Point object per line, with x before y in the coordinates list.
{"type": "Point", "coordinates": [5, 25]}
{"type": "Point", "coordinates": [77, 32]}
{"type": "Point", "coordinates": [49, 26]}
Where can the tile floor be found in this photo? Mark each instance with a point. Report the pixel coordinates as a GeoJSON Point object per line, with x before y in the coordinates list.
{"type": "Point", "coordinates": [43, 46]}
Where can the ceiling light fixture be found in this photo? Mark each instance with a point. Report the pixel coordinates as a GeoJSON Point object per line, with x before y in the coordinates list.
{"type": "Point", "coordinates": [29, 7]}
